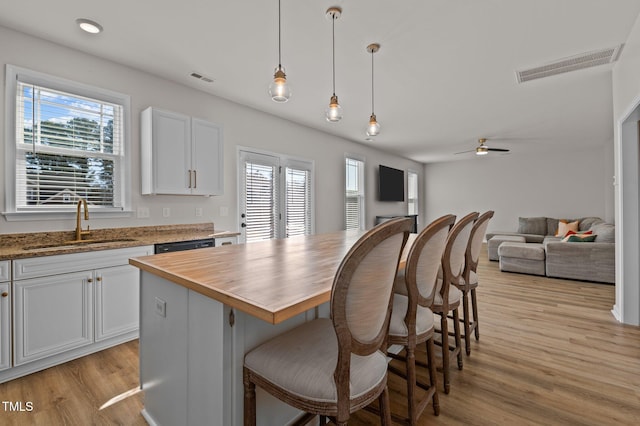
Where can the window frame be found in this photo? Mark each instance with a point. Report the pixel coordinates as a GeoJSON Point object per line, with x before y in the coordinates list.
{"type": "Point", "coordinates": [13, 74]}
{"type": "Point", "coordinates": [417, 198]}
{"type": "Point", "coordinates": [362, 197]}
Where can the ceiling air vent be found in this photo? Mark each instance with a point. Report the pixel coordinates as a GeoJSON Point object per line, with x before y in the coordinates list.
{"type": "Point", "coordinates": [578, 62]}
{"type": "Point", "coordinates": [201, 77]}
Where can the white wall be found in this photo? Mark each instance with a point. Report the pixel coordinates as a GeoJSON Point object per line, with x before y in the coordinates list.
{"type": "Point", "coordinates": [243, 126]}
{"type": "Point", "coordinates": [564, 185]}
{"type": "Point", "coordinates": [626, 113]}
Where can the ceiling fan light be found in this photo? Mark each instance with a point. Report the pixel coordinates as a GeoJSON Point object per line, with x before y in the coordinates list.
{"type": "Point", "coordinates": [334, 111]}
{"type": "Point", "coordinates": [482, 150]}
{"type": "Point", "coordinates": [373, 129]}
{"type": "Point", "coordinates": [279, 89]}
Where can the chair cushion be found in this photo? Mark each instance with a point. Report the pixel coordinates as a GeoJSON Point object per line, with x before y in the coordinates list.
{"type": "Point", "coordinates": [397, 326]}
{"type": "Point", "coordinates": [302, 361]}
{"type": "Point", "coordinates": [473, 278]}
{"type": "Point", "coordinates": [454, 295]}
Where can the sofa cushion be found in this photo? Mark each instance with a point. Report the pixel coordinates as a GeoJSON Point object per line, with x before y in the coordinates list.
{"type": "Point", "coordinates": [564, 227]}
{"type": "Point", "coordinates": [606, 232]}
{"type": "Point", "coordinates": [552, 226]}
{"type": "Point", "coordinates": [531, 251]}
{"type": "Point", "coordinates": [587, 223]}
{"type": "Point", "coordinates": [532, 225]}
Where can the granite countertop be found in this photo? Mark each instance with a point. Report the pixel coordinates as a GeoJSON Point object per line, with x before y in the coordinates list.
{"type": "Point", "coordinates": [36, 244]}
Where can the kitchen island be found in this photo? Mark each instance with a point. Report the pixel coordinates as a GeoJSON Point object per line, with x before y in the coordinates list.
{"type": "Point", "coordinates": [202, 310]}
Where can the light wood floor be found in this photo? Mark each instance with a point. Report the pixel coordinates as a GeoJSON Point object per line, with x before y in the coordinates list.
{"type": "Point", "coordinates": [550, 353]}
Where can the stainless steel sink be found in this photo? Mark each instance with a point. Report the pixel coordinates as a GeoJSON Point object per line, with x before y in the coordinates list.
{"type": "Point", "coordinates": [71, 244]}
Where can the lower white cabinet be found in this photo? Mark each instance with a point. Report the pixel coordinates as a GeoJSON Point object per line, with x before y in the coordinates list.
{"type": "Point", "coordinates": [52, 315]}
{"type": "Point", "coordinates": [117, 299]}
{"type": "Point", "coordinates": [5, 316]}
{"type": "Point", "coordinates": [74, 304]}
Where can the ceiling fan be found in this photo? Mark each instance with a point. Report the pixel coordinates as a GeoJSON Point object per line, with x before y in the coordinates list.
{"type": "Point", "coordinates": [482, 149]}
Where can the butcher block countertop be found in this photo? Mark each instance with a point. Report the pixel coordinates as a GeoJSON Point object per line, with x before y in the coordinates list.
{"type": "Point", "coordinates": [272, 280]}
{"type": "Point", "coordinates": [36, 244]}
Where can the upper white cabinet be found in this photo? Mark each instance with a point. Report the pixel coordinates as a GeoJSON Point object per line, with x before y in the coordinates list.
{"type": "Point", "coordinates": [180, 155]}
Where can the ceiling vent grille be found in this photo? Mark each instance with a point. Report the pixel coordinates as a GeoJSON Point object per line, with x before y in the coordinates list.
{"type": "Point", "coordinates": [201, 77]}
{"type": "Point", "coordinates": [578, 62]}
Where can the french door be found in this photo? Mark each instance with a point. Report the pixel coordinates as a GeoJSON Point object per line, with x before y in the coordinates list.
{"type": "Point", "coordinates": [275, 196]}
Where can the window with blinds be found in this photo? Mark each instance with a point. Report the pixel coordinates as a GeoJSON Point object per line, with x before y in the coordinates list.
{"type": "Point", "coordinates": [354, 194]}
{"type": "Point", "coordinates": [276, 194]}
{"type": "Point", "coordinates": [298, 208]}
{"type": "Point", "coordinates": [67, 146]}
{"type": "Point", "coordinates": [412, 193]}
{"type": "Point", "coordinates": [261, 204]}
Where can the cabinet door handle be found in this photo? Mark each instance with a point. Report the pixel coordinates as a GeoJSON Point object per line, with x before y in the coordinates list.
{"type": "Point", "coordinates": [89, 280]}
{"type": "Point", "coordinates": [99, 279]}
{"type": "Point", "coordinates": [5, 294]}
{"type": "Point", "coordinates": [195, 178]}
{"type": "Point", "coordinates": [189, 178]}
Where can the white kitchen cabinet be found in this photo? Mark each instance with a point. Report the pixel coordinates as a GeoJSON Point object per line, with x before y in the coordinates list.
{"type": "Point", "coordinates": [224, 241]}
{"type": "Point", "coordinates": [52, 315]}
{"type": "Point", "coordinates": [73, 304]}
{"type": "Point", "coordinates": [5, 316]}
{"type": "Point", "coordinates": [180, 155]}
{"type": "Point", "coordinates": [117, 298]}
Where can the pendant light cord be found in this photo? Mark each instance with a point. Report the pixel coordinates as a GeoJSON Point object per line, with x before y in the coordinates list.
{"type": "Point", "coordinates": [372, 93]}
{"type": "Point", "coordinates": [279, 37]}
{"type": "Point", "coordinates": [333, 32]}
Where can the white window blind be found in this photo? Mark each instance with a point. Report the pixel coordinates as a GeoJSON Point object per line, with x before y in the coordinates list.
{"type": "Point", "coordinates": [276, 194]}
{"type": "Point", "coordinates": [412, 193]}
{"type": "Point", "coordinates": [298, 196]}
{"type": "Point", "coordinates": [354, 194]}
{"type": "Point", "coordinates": [261, 201]}
{"type": "Point", "coordinates": [67, 147]}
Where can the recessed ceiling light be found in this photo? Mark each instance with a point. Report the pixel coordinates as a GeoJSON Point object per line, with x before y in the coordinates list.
{"type": "Point", "coordinates": [89, 26]}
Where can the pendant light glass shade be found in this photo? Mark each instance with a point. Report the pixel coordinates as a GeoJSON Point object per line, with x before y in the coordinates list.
{"type": "Point", "coordinates": [279, 89]}
{"type": "Point", "coordinates": [334, 111]}
{"type": "Point", "coordinates": [373, 128]}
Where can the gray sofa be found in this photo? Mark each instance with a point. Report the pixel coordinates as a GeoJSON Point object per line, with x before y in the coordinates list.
{"type": "Point", "coordinates": [587, 261]}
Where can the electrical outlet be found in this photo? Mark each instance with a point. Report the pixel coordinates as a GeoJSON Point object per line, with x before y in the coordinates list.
{"type": "Point", "coordinates": [198, 211]}
{"type": "Point", "coordinates": [161, 307]}
{"type": "Point", "coordinates": [166, 212]}
{"type": "Point", "coordinates": [143, 212]}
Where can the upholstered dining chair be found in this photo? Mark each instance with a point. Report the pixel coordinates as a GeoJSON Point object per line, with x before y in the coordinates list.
{"type": "Point", "coordinates": [447, 298]}
{"type": "Point", "coordinates": [469, 280]}
{"type": "Point", "coordinates": [411, 317]}
{"type": "Point", "coordinates": [333, 367]}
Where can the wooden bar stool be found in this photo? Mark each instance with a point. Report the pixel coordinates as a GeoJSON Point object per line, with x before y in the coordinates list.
{"type": "Point", "coordinates": [411, 317]}
{"type": "Point", "coordinates": [469, 280]}
{"type": "Point", "coordinates": [447, 298]}
{"type": "Point", "coordinates": [333, 367]}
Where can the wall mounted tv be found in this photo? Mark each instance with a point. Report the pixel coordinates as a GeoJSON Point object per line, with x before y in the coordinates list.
{"type": "Point", "coordinates": [390, 184]}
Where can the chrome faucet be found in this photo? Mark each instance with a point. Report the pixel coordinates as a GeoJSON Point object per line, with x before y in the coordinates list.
{"type": "Point", "coordinates": [79, 231]}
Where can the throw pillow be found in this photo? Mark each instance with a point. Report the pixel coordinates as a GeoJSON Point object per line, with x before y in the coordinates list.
{"type": "Point", "coordinates": [532, 225]}
{"type": "Point", "coordinates": [579, 232]}
{"type": "Point", "coordinates": [580, 238]}
{"type": "Point", "coordinates": [564, 227]}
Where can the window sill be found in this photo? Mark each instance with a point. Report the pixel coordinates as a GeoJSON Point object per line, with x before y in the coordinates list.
{"type": "Point", "coordinates": [53, 215]}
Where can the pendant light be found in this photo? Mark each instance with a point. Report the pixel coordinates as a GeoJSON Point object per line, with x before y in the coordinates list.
{"type": "Point", "coordinates": [278, 89]}
{"type": "Point", "coordinates": [334, 111]}
{"type": "Point", "coordinates": [373, 128]}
